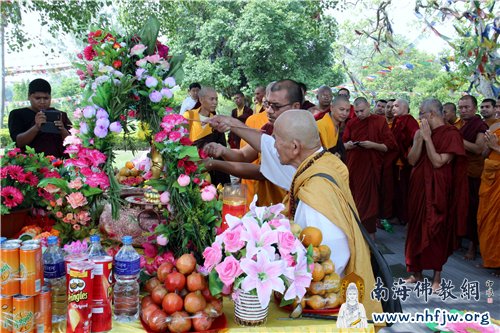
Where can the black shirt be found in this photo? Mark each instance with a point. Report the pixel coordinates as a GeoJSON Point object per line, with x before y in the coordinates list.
{"type": "Point", "coordinates": [21, 120]}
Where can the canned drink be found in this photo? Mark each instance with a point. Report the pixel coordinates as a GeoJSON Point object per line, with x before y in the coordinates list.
{"type": "Point", "coordinates": [14, 240]}
{"type": "Point", "coordinates": [102, 294]}
{"type": "Point", "coordinates": [3, 239]}
{"type": "Point", "coordinates": [43, 311]}
{"type": "Point", "coordinates": [30, 257]}
{"type": "Point", "coordinates": [9, 268]}
{"type": "Point", "coordinates": [80, 278]}
{"type": "Point", "coordinates": [32, 241]}
{"type": "Point", "coordinates": [6, 319]}
{"type": "Point", "coordinates": [39, 243]}
{"type": "Point", "coordinates": [23, 310]}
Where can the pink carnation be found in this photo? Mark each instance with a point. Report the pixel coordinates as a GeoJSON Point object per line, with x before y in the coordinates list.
{"type": "Point", "coordinates": [160, 136]}
{"type": "Point", "coordinates": [76, 183]}
{"type": "Point", "coordinates": [183, 180]}
{"type": "Point", "coordinates": [76, 200]}
{"type": "Point", "coordinates": [175, 136]}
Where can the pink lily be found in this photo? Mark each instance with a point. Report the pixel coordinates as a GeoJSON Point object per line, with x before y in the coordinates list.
{"type": "Point", "coordinates": [300, 278]}
{"type": "Point", "coordinates": [258, 239]}
{"type": "Point", "coordinates": [264, 276]}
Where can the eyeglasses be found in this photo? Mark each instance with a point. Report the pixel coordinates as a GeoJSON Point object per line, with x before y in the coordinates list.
{"type": "Point", "coordinates": [275, 106]}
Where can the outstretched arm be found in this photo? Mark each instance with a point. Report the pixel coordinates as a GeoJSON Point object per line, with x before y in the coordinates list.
{"type": "Point", "coordinates": [225, 123]}
{"type": "Point", "coordinates": [237, 169]}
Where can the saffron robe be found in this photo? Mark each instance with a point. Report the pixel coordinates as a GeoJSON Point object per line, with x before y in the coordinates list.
{"type": "Point", "coordinates": [333, 202]}
{"type": "Point", "coordinates": [438, 201]}
{"type": "Point", "coordinates": [491, 121]}
{"type": "Point", "coordinates": [365, 165]}
{"type": "Point", "coordinates": [201, 135]}
{"type": "Point", "coordinates": [327, 132]}
{"type": "Point", "coordinates": [488, 214]}
{"type": "Point", "coordinates": [404, 129]}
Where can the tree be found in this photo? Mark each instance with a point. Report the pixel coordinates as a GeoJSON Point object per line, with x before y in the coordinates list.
{"type": "Point", "coordinates": [20, 91]}
{"type": "Point", "coordinates": [237, 45]}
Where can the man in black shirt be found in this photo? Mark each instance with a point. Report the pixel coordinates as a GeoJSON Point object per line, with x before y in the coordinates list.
{"type": "Point", "coordinates": [25, 124]}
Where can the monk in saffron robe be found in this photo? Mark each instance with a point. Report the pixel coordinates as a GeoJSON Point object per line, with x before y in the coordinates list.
{"type": "Point", "coordinates": [473, 135]}
{"type": "Point", "coordinates": [488, 214]}
{"type": "Point", "coordinates": [450, 115]}
{"type": "Point", "coordinates": [404, 128]}
{"type": "Point", "coordinates": [258, 99]}
{"type": "Point", "coordinates": [201, 134]}
{"type": "Point", "coordinates": [366, 138]}
{"type": "Point", "coordinates": [488, 111]}
{"type": "Point", "coordinates": [339, 112]}
{"type": "Point", "coordinates": [437, 194]}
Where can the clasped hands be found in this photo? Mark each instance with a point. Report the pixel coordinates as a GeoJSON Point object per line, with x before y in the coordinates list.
{"type": "Point", "coordinates": [221, 123]}
{"type": "Point", "coordinates": [363, 144]}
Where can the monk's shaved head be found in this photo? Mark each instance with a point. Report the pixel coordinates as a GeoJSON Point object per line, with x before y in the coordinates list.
{"type": "Point", "coordinates": [298, 125]}
{"type": "Point", "coordinates": [205, 90]}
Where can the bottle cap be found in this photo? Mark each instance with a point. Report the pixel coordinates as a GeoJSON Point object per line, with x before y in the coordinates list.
{"type": "Point", "coordinates": [127, 240]}
{"type": "Point", "coordinates": [95, 238]}
{"type": "Point", "coordinates": [51, 240]}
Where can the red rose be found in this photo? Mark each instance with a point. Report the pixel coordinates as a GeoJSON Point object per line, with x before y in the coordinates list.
{"type": "Point", "coordinates": [185, 141]}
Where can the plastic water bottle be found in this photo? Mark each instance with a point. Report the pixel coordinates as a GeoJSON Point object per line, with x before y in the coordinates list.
{"type": "Point", "coordinates": [54, 274]}
{"type": "Point", "coordinates": [95, 249]}
{"type": "Point", "coordinates": [126, 289]}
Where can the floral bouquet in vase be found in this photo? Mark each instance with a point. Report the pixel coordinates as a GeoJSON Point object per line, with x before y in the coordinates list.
{"type": "Point", "coordinates": [257, 255]}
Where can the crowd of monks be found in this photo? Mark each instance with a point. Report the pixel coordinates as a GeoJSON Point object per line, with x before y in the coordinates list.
{"type": "Point", "coordinates": [438, 174]}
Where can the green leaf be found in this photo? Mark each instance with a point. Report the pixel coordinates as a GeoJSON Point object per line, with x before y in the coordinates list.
{"type": "Point", "coordinates": [214, 283]}
{"type": "Point", "coordinates": [149, 34]}
{"type": "Point", "coordinates": [59, 182]}
{"type": "Point", "coordinates": [286, 302]}
{"type": "Point", "coordinates": [90, 191]}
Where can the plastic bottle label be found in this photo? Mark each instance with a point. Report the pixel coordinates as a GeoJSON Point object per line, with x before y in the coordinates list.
{"type": "Point", "coordinates": [53, 271]}
{"type": "Point", "coordinates": [127, 267]}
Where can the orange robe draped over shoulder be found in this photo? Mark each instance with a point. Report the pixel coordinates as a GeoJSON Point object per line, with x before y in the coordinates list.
{"type": "Point", "coordinates": [438, 202]}
{"type": "Point", "coordinates": [365, 165]}
{"type": "Point", "coordinates": [488, 214]}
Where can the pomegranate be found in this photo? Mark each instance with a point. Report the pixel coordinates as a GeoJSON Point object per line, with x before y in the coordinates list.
{"type": "Point", "coordinates": [158, 293]}
{"type": "Point", "coordinates": [164, 270]}
{"type": "Point", "coordinates": [217, 304]}
{"type": "Point", "coordinates": [207, 294]}
{"type": "Point", "coordinates": [196, 281]}
{"type": "Point", "coordinates": [145, 301]}
{"type": "Point", "coordinates": [175, 281]}
{"type": "Point", "coordinates": [180, 322]}
{"type": "Point", "coordinates": [202, 322]}
{"type": "Point", "coordinates": [158, 321]}
{"type": "Point", "coordinates": [186, 263]}
{"type": "Point", "coordinates": [172, 303]}
{"type": "Point", "coordinates": [147, 312]}
{"type": "Point", "coordinates": [194, 302]}
{"type": "Point", "coordinates": [151, 284]}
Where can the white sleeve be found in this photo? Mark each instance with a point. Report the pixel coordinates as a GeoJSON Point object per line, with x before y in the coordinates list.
{"type": "Point", "coordinates": [270, 166]}
{"type": "Point", "coordinates": [333, 236]}
{"type": "Point", "coordinates": [187, 104]}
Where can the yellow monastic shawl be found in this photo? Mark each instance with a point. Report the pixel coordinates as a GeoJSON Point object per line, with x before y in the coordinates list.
{"type": "Point", "coordinates": [327, 132]}
{"type": "Point", "coordinates": [333, 202]}
{"type": "Point", "coordinates": [196, 130]}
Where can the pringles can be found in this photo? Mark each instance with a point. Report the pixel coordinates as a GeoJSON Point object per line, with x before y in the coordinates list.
{"type": "Point", "coordinates": [43, 311]}
{"type": "Point", "coordinates": [23, 310]}
{"type": "Point", "coordinates": [30, 257]}
{"type": "Point", "coordinates": [102, 294]}
{"type": "Point", "coordinates": [80, 279]}
{"type": "Point", "coordinates": [9, 268]}
{"type": "Point", "coordinates": [6, 319]}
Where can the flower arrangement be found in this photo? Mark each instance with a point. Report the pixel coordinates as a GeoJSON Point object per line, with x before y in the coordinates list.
{"type": "Point", "coordinates": [19, 175]}
{"type": "Point", "coordinates": [193, 212]}
{"type": "Point", "coordinates": [71, 192]}
{"type": "Point", "coordinates": [259, 254]}
{"type": "Point", "coordinates": [126, 78]}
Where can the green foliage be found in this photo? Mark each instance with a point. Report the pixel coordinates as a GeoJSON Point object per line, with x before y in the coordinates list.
{"type": "Point", "coordinates": [20, 91]}
{"type": "Point", "coordinates": [237, 45]}
{"type": "Point", "coordinates": [69, 86]}
{"type": "Point", "coordinates": [5, 139]}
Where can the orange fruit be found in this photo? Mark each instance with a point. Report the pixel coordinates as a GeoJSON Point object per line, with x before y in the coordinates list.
{"type": "Point", "coordinates": [134, 172]}
{"type": "Point", "coordinates": [332, 300]}
{"type": "Point", "coordinates": [130, 165]}
{"type": "Point", "coordinates": [325, 252]}
{"type": "Point", "coordinates": [311, 235]}
{"type": "Point", "coordinates": [124, 172]}
{"type": "Point", "coordinates": [316, 288]}
{"type": "Point", "coordinates": [316, 302]}
{"type": "Point", "coordinates": [316, 254]}
{"type": "Point", "coordinates": [328, 266]}
{"type": "Point", "coordinates": [318, 272]}
{"type": "Point", "coordinates": [331, 283]}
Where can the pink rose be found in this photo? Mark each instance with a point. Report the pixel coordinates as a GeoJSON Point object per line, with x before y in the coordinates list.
{"type": "Point", "coordinates": [149, 250]}
{"type": "Point", "coordinates": [138, 49]}
{"type": "Point", "coordinates": [59, 215]}
{"type": "Point", "coordinates": [286, 240]}
{"type": "Point", "coordinates": [161, 240]}
{"type": "Point", "coordinates": [183, 180]}
{"type": "Point", "coordinates": [232, 240]}
{"type": "Point", "coordinates": [289, 259]}
{"type": "Point", "coordinates": [228, 270]}
{"type": "Point", "coordinates": [76, 200]}
{"type": "Point", "coordinates": [207, 194]}
{"type": "Point", "coordinates": [76, 183]}
{"type": "Point", "coordinates": [51, 188]}
{"type": "Point", "coordinates": [153, 58]}
{"type": "Point", "coordinates": [165, 197]}
{"type": "Point", "coordinates": [212, 255]}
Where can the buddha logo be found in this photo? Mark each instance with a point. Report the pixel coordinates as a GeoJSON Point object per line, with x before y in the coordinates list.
{"type": "Point", "coordinates": [352, 313]}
